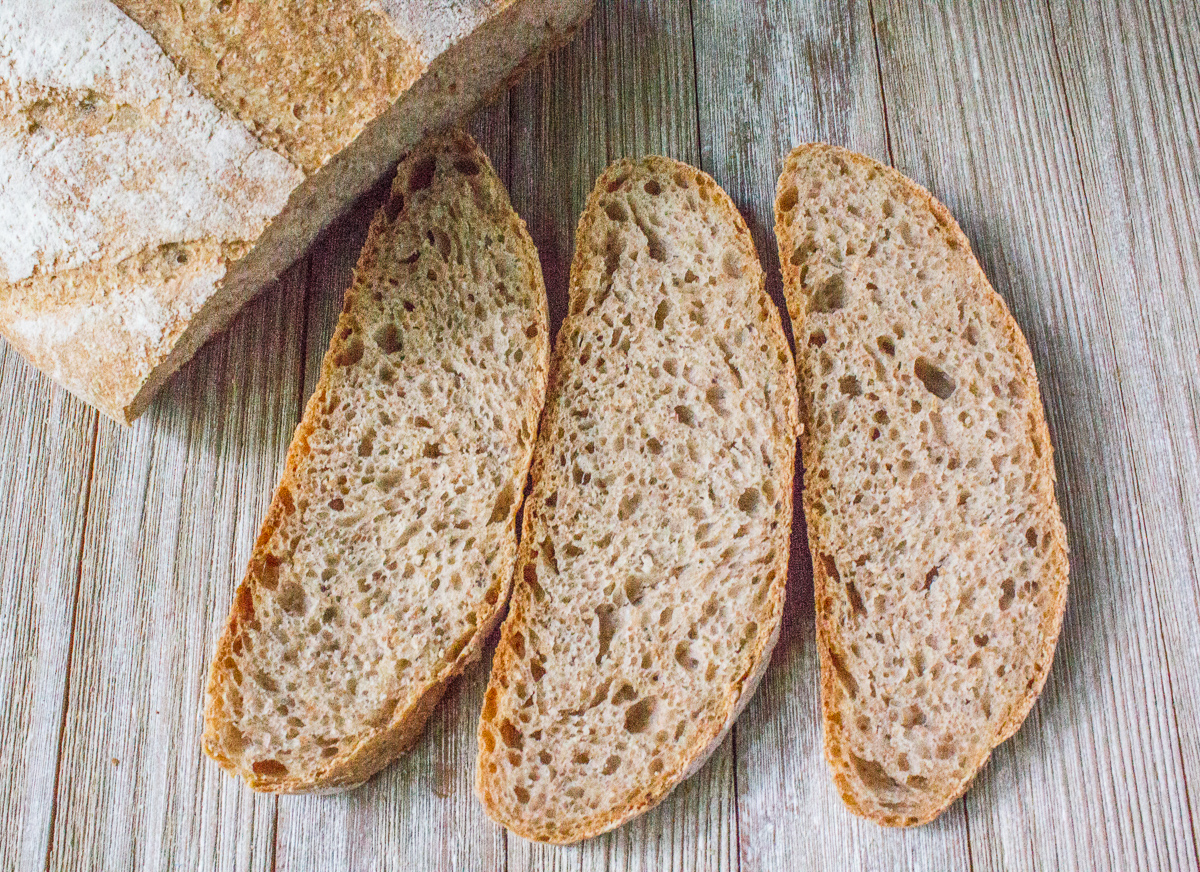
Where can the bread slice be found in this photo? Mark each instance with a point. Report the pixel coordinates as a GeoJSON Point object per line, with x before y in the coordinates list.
{"type": "Point", "coordinates": [386, 556]}
{"type": "Point", "coordinates": [939, 555]}
{"type": "Point", "coordinates": [654, 547]}
{"type": "Point", "coordinates": [163, 160]}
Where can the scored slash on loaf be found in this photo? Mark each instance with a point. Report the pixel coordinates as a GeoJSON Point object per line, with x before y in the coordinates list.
{"type": "Point", "coordinates": [650, 582]}
{"type": "Point", "coordinates": [939, 554]}
{"type": "Point", "coordinates": [387, 554]}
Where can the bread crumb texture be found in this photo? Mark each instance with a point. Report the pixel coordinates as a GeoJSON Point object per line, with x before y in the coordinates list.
{"type": "Point", "coordinates": [388, 550]}
{"type": "Point", "coordinates": [654, 550]}
{"type": "Point", "coordinates": [938, 549]}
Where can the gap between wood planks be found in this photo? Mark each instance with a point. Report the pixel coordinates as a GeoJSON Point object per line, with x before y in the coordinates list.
{"type": "Point", "coordinates": [66, 694]}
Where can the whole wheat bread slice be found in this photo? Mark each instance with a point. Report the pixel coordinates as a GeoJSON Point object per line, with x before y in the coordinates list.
{"type": "Point", "coordinates": [654, 551]}
{"type": "Point", "coordinates": [939, 553]}
{"type": "Point", "coordinates": [386, 556]}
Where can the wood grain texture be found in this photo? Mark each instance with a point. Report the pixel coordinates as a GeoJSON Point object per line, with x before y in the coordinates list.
{"type": "Point", "coordinates": [175, 502]}
{"type": "Point", "coordinates": [46, 441]}
{"type": "Point", "coordinates": [1005, 151]}
{"type": "Point", "coordinates": [1066, 139]}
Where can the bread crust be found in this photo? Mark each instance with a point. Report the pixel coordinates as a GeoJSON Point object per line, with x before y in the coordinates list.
{"type": "Point", "coordinates": [505, 664]}
{"type": "Point", "coordinates": [372, 751]}
{"type": "Point", "coordinates": [1056, 575]}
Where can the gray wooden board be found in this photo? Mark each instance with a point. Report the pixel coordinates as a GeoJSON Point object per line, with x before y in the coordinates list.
{"type": "Point", "coordinates": [1066, 139]}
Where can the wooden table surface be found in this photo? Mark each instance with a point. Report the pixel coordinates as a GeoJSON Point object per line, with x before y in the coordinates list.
{"type": "Point", "coordinates": [1063, 135]}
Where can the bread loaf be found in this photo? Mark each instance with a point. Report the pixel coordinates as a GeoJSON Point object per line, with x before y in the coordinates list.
{"type": "Point", "coordinates": [162, 161]}
{"type": "Point", "coordinates": [654, 550]}
{"type": "Point", "coordinates": [939, 554]}
{"type": "Point", "coordinates": [386, 556]}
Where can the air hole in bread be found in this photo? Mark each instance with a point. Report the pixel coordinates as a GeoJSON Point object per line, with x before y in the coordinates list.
{"type": "Point", "coordinates": [606, 628]}
{"type": "Point", "coordinates": [930, 578]}
{"type": "Point", "coordinates": [655, 246]}
{"type": "Point", "coordinates": [733, 262]}
{"type": "Point", "coordinates": [715, 397]}
{"type": "Point", "coordinates": [886, 345]}
{"type": "Point", "coordinates": [817, 338]}
{"type": "Point", "coordinates": [873, 775]}
{"type": "Point", "coordinates": [652, 187]}
{"type": "Point", "coordinates": [935, 379]}
{"type": "Point", "coordinates": [616, 211]}
{"type": "Point", "coordinates": [913, 717]}
{"type": "Point", "coordinates": [388, 339]}
{"type": "Point", "coordinates": [749, 501]}
{"type": "Point", "coordinates": [683, 656]}
{"type": "Point", "coordinates": [634, 589]}
{"type": "Point", "coordinates": [788, 199]}
{"type": "Point", "coordinates": [856, 602]}
{"type": "Point", "coordinates": [843, 675]}
{"type": "Point", "coordinates": [351, 351]}
{"type": "Point", "coordinates": [660, 314]}
{"type": "Point", "coordinates": [829, 296]}
{"type": "Point", "coordinates": [270, 769]}
{"type": "Point", "coordinates": [510, 735]}
{"type": "Point", "coordinates": [1007, 593]}
{"type": "Point", "coordinates": [466, 167]}
{"type": "Point", "coordinates": [850, 386]}
{"type": "Point", "coordinates": [504, 504]}
{"type": "Point", "coordinates": [685, 415]}
{"type": "Point", "coordinates": [422, 174]}
{"type": "Point", "coordinates": [366, 445]}
{"type": "Point", "coordinates": [611, 765]}
{"type": "Point", "coordinates": [637, 716]}
{"type": "Point", "coordinates": [614, 185]}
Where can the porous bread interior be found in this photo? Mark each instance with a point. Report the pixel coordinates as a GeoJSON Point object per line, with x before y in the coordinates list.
{"type": "Point", "coordinates": [651, 576]}
{"type": "Point", "coordinates": [938, 550]}
{"type": "Point", "coordinates": [387, 553]}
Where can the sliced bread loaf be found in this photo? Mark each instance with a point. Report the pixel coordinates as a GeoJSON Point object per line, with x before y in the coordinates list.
{"type": "Point", "coordinates": [387, 553]}
{"type": "Point", "coordinates": [939, 555]}
{"type": "Point", "coordinates": [650, 580]}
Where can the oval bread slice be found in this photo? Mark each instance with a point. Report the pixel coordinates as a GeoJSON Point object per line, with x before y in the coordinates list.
{"type": "Point", "coordinates": [654, 551]}
{"type": "Point", "coordinates": [386, 556]}
{"type": "Point", "coordinates": [939, 555]}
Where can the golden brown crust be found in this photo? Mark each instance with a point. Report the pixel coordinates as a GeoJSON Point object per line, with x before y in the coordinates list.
{"type": "Point", "coordinates": [655, 790]}
{"type": "Point", "coordinates": [1055, 578]}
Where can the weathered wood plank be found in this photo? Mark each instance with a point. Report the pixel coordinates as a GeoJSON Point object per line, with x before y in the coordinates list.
{"type": "Point", "coordinates": [175, 504]}
{"type": "Point", "coordinates": [781, 74]}
{"type": "Point", "coordinates": [981, 114]}
{"type": "Point", "coordinates": [624, 88]}
{"type": "Point", "coordinates": [46, 439]}
{"type": "Point", "coordinates": [420, 812]}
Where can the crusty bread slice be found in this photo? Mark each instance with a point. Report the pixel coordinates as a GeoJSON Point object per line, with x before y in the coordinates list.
{"type": "Point", "coordinates": [939, 555]}
{"type": "Point", "coordinates": [386, 556]}
{"type": "Point", "coordinates": [654, 550]}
